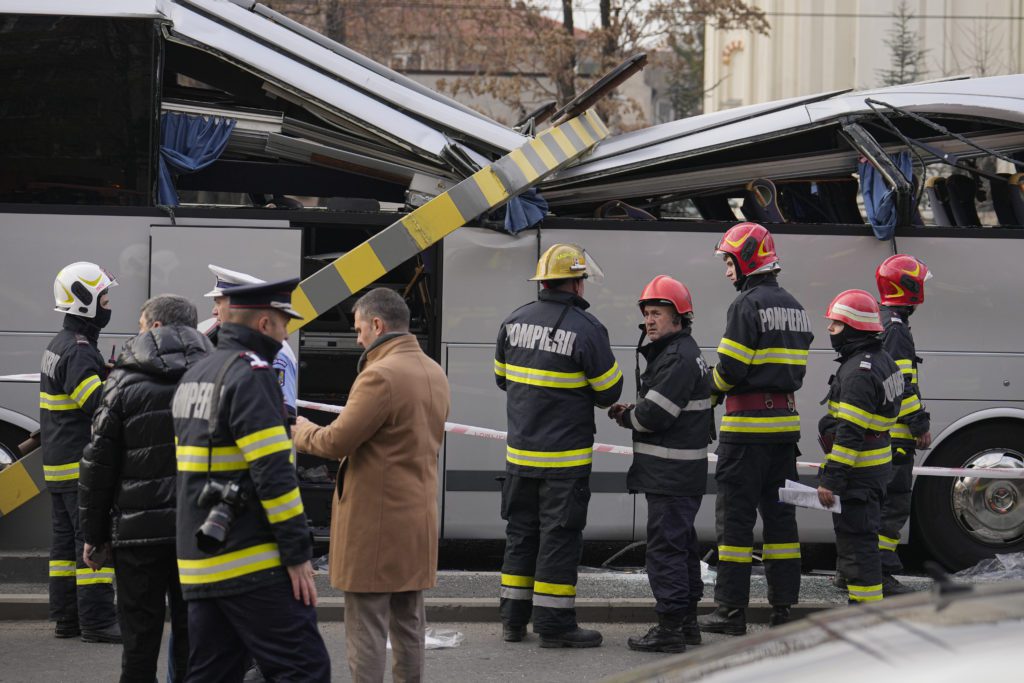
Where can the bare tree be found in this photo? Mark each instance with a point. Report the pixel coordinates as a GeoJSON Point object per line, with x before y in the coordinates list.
{"type": "Point", "coordinates": [906, 56]}
{"type": "Point", "coordinates": [977, 49]}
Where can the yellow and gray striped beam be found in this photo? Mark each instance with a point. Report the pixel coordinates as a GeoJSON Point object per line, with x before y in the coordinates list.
{"type": "Point", "coordinates": [21, 482]}
{"type": "Point", "coordinates": [483, 191]}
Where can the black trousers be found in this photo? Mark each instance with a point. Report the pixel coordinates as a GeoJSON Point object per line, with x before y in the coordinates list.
{"type": "Point", "coordinates": [77, 593]}
{"type": "Point", "coordinates": [673, 556]}
{"type": "Point", "coordinates": [279, 631]}
{"type": "Point", "coordinates": [147, 580]}
{"type": "Point", "coordinates": [857, 553]}
{"type": "Point", "coordinates": [748, 477]}
{"type": "Point", "coordinates": [896, 508]}
{"type": "Point", "coordinates": [543, 545]}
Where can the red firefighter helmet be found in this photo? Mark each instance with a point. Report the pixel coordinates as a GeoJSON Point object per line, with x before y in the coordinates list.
{"type": "Point", "coordinates": [901, 280]}
{"type": "Point", "coordinates": [856, 308]}
{"type": "Point", "coordinates": [667, 291]}
{"type": "Point", "coordinates": [752, 246]}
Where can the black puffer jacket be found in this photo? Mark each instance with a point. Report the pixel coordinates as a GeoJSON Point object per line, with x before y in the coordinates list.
{"type": "Point", "coordinates": [128, 473]}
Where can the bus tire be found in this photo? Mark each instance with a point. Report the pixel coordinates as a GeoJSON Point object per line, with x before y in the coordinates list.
{"type": "Point", "coordinates": [959, 525]}
{"type": "Point", "coordinates": [10, 437]}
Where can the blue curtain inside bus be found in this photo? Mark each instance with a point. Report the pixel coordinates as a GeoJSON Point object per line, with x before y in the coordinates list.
{"type": "Point", "coordinates": [187, 144]}
{"type": "Point", "coordinates": [879, 198]}
{"type": "Point", "coordinates": [524, 211]}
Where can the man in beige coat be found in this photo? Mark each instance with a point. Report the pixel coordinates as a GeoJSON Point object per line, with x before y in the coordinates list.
{"type": "Point", "coordinates": [384, 521]}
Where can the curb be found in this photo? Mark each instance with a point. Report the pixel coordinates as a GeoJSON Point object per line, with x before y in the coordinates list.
{"type": "Point", "coordinates": [35, 607]}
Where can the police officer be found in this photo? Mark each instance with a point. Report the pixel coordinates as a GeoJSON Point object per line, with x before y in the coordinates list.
{"type": "Point", "coordinates": [555, 362]}
{"type": "Point", "coordinates": [243, 543]}
{"type": "Point", "coordinates": [863, 401]}
{"type": "Point", "coordinates": [285, 363]}
{"type": "Point", "coordinates": [671, 422]}
{"type": "Point", "coordinates": [72, 372]}
{"type": "Point", "coordinates": [900, 281]}
{"type": "Point", "coordinates": [762, 359]}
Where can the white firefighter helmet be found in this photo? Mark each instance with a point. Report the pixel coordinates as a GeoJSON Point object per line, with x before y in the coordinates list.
{"type": "Point", "coordinates": [78, 287]}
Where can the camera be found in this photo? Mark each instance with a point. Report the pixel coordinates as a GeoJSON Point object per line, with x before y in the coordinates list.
{"type": "Point", "coordinates": [224, 499]}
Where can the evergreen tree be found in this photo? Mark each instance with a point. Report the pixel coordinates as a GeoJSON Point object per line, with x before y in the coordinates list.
{"type": "Point", "coordinates": [906, 56]}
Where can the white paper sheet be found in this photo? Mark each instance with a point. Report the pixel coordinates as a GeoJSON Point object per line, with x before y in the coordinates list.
{"type": "Point", "coordinates": [801, 495]}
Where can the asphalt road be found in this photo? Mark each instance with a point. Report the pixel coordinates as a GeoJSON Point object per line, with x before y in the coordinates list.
{"type": "Point", "coordinates": [29, 652]}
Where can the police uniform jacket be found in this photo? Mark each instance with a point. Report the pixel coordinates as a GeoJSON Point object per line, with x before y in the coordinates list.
{"type": "Point", "coordinates": [251, 446]}
{"type": "Point", "coordinates": [555, 362]}
{"type": "Point", "coordinates": [763, 351]}
{"type": "Point", "coordinates": [672, 419]}
{"type": "Point", "coordinates": [913, 420]}
{"type": "Point", "coordinates": [129, 465]}
{"type": "Point", "coordinates": [863, 401]}
{"type": "Point", "coordinates": [70, 377]}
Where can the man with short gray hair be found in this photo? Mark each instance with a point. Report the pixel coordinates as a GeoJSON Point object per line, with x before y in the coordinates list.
{"type": "Point", "coordinates": [384, 528]}
{"type": "Point", "coordinates": [127, 483]}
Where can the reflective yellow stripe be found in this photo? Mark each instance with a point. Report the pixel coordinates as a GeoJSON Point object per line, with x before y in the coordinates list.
{"type": "Point", "coordinates": [64, 568]}
{"type": "Point", "coordinates": [854, 458]}
{"type": "Point", "coordinates": [85, 388]}
{"type": "Point", "coordinates": [265, 442]}
{"type": "Point", "coordinates": [733, 349]}
{"type": "Point", "coordinates": [88, 577]}
{"type": "Point", "coordinates": [780, 356]}
{"type": "Point", "coordinates": [887, 543]}
{"type": "Point", "coordinates": [780, 551]}
{"type": "Point", "coordinates": [735, 553]}
{"type": "Point", "coordinates": [865, 593]}
{"type": "Point", "coordinates": [910, 404]}
{"type": "Point", "coordinates": [544, 378]}
{"type": "Point", "coordinates": [860, 417]}
{"type": "Point", "coordinates": [608, 379]}
{"type": "Point", "coordinates": [229, 565]}
{"type": "Point", "coordinates": [720, 383]}
{"type": "Point", "coordinates": [225, 459]}
{"type": "Point", "coordinates": [514, 581]}
{"type": "Point", "coordinates": [760, 425]}
{"type": "Point", "coordinates": [283, 507]}
{"type": "Point", "coordinates": [563, 589]}
{"type": "Point", "coordinates": [60, 472]}
{"type": "Point", "coordinates": [900, 431]}
{"type": "Point", "coordinates": [57, 402]}
{"type": "Point", "coordinates": [518, 456]}
{"type": "Point", "coordinates": [499, 369]}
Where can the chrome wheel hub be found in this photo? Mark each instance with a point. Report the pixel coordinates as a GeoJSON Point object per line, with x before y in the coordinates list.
{"type": "Point", "coordinates": [991, 510]}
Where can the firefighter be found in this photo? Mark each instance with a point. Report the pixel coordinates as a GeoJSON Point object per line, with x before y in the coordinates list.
{"type": "Point", "coordinates": [863, 402]}
{"type": "Point", "coordinates": [244, 546]}
{"type": "Point", "coordinates": [286, 366]}
{"type": "Point", "coordinates": [554, 361]}
{"type": "Point", "coordinates": [762, 359]}
{"type": "Point", "coordinates": [72, 372]}
{"type": "Point", "coordinates": [900, 280]}
{"type": "Point", "coordinates": [671, 422]}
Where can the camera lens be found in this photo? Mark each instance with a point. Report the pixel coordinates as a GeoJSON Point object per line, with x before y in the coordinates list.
{"type": "Point", "coordinates": [211, 534]}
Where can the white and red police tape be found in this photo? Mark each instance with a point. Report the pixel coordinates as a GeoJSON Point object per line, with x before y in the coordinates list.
{"type": "Point", "coordinates": [481, 432]}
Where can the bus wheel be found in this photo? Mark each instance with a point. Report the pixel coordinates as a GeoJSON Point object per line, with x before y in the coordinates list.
{"type": "Point", "coordinates": [960, 521]}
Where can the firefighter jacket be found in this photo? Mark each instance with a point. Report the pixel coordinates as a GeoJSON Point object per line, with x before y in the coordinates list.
{"type": "Point", "coordinates": [250, 446]}
{"type": "Point", "coordinates": [70, 378]}
{"type": "Point", "coordinates": [913, 420]}
{"type": "Point", "coordinates": [128, 475]}
{"type": "Point", "coordinates": [555, 362]}
{"type": "Point", "coordinates": [671, 421]}
{"type": "Point", "coordinates": [863, 401]}
{"type": "Point", "coordinates": [764, 351]}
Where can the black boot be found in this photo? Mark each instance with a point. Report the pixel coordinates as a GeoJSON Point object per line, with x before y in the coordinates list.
{"type": "Point", "coordinates": [512, 634]}
{"type": "Point", "coordinates": [110, 634]}
{"type": "Point", "coordinates": [67, 628]}
{"type": "Point", "coordinates": [577, 637]}
{"type": "Point", "coordinates": [890, 586]}
{"type": "Point", "coordinates": [732, 621]}
{"type": "Point", "coordinates": [779, 615]}
{"type": "Point", "coordinates": [667, 636]}
{"type": "Point", "coordinates": [691, 630]}
{"type": "Point", "coordinates": [839, 581]}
